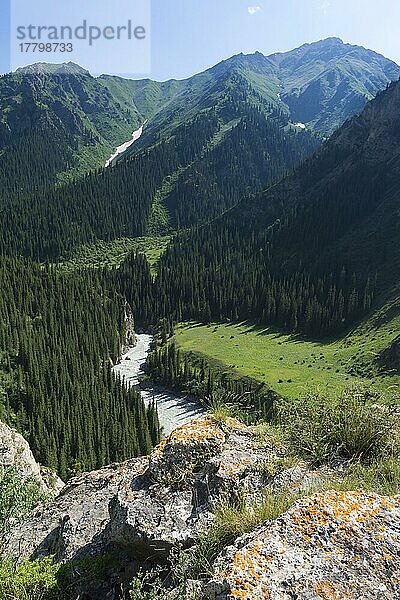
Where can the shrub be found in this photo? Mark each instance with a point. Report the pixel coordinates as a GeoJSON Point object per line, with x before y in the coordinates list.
{"type": "Point", "coordinates": [18, 495]}
{"type": "Point", "coordinates": [233, 519]}
{"type": "Point", "coordinates": [35, 580]}
{"type": "Point", "coordinates": [358, 425]}
{"type": "Point", "coordinates": [147, 586]}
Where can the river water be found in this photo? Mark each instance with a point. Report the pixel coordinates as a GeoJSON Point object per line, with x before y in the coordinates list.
{"type": "Point", "coordinates": [173, 410]}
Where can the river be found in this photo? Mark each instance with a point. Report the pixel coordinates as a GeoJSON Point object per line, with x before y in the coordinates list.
{"type": "Point", "coordinates": [173, 410]}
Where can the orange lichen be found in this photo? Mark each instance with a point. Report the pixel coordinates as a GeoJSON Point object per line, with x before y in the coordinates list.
{"type": "Point", "coordinates": [351, 518]}
{"type": "Point", "coordinates": [347, 508]}
{"type": "Point", "coordinates": [326, 591]}
{"type": "Point", "coordinates": [246, 570]}
{"type": "Point", "coordinates": [197, 431]}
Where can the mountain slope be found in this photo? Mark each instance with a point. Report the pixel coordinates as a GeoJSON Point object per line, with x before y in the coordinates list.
{"type": "Point", "coordinates": [313, 253]}
{"type": "Point", "coordinates": [317, 86]}
{"type": "Point", "coordinates": [208, 141]}
{"type": "Point", "coordinates": [56, 121]}
{"type": "Point", "coordinates": [327, 82]}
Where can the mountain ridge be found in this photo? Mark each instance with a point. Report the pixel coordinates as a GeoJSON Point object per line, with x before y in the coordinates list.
{"type": "Point", "coordinates": [212, 139]}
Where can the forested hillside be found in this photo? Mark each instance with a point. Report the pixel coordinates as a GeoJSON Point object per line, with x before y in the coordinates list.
{"type": "Point", "coordinates": [208, 141]}
{"type": "Point", "coordinates": [56, 123]}
{"type": "Point", "coordinates": [312, 253]}
{"type": "Point", "coordinates": [58, 333]}
{"type": "Point", "coordinates": [127, 200]}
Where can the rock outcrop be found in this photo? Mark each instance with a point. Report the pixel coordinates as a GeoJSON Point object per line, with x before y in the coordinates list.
{"type": "Point", "coordinates": [73, 525]}
{"type": "Point", "coordinates": [15, 452]}
{"type": "Point", "coordinates": [129, 334]}
{"type": "Point", "coordinates": [173, 501]}
{"type": "Point", "coordinates": [147, 505]}
{"type": "Point", "coordinates": [333, 546]}
{"type": "Point", "coordinates": [330, 546]}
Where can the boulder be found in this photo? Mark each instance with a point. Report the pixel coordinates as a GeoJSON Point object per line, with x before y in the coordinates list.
{"type": "Point", "coordinates": [72, 526]}
{"type": "Point", "coordinates": [331, 546]}
{"type": "Point", "coordinates": [173, 501]}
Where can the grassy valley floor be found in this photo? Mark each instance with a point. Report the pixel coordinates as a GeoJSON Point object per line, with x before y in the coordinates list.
{"type": "Point", "coordinates": [292, 366]}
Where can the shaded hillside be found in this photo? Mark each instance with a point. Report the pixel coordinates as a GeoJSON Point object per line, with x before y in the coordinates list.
{"type": "Point", "coordinates": [310, 254]}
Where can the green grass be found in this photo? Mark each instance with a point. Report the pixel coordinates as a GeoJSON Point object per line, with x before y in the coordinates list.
{"type": "Point", "coordinates": [292, 366]}
{"type": "Point", "coordinates": [102, 254]}
{"type": "Point", "coordinates": [234, 519]}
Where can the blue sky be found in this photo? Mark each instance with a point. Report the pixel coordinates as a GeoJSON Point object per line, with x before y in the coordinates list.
{"type": "Point", "coordinates": [188, 36]}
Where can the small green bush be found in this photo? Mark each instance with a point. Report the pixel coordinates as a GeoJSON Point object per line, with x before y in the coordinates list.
{"type": "Point", "coordinates": [358, 425]}
{"type": "Point", "coordinates": [147, 587]}
{"type": "Point", "coordinates": [35, 580]}
{"type": "Point", "coordinates": [18, 495]}
{"type": "Point", "coordinates": [233, 519]}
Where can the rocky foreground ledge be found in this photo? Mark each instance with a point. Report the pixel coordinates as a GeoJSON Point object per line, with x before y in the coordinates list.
{"type": "Point", "coordinates": [332, 545]}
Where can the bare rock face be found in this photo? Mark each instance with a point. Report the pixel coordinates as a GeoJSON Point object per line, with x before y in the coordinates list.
{"type": "Point", "coordinates": [173, 501]}
{"type": "Point", "coordinates": [73, 524]}
{"type": "Point", "coordinates": [129, 328]}
{"type": "Point", "coordinates": [333, 546]}
{"type": "Point", "coordinates": [15, 452]}
{"type": "Point", "coordinates": [147, 505]}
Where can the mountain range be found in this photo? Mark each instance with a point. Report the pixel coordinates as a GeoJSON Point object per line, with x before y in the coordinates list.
{"type": "Point", "coordinates": [207, 142]}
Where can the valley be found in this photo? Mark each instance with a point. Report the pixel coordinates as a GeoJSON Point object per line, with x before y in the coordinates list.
{"type": "Point", "coordinates": [173, 410]}
{"type": "Point", "coordinates": [200, 329]}
{"type": "Point", "coordinates": [291, 366]}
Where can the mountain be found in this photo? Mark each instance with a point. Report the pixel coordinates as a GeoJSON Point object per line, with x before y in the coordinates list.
{"type": "Point", "coordinates": [56, 121]}
{"type": "Point", "coordinates": [43, 68]}
{"type": "Point", "coordinates": [311, 254]}
{"type": "Point", "coordinates": [338, 78]}
{"type": "Point", "coordinates": [208, 141]}
{"type": "Point", "coordinates": [327, 82]}
{"type": "Point", "coordinates": [258, 110]}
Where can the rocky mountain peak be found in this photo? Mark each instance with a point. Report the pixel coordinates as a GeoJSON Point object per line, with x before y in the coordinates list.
{"type": "Point", "coordinates": [42, 68]}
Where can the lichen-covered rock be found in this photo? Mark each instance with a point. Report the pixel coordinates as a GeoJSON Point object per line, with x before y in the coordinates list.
{"type": "Point", "coordinates": [330, 546]}
{"type": "Point", "coordinates": [73, 524]}
{"type": "Point", "coordinates": [15, 452]}
{"type": "Point", "coordinates": [173, 501]}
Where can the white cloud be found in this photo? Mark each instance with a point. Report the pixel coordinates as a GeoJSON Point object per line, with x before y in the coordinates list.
{"type": "Point", "coordinates": [252, 10]}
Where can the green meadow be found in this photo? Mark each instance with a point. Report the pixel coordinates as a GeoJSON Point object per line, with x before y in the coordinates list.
{"type": "Point", "coordinates": [293, 366]}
